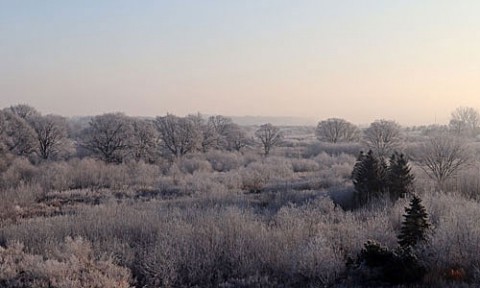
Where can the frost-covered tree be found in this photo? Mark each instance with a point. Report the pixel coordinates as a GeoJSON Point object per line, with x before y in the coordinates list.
{"type": "Point", "coordinates": [207, 136]}
{"type": "Point", "coordinates": [269, 136]}
{"type": "Point", "coordinates": [17, 135]}
{"type": "Point", "coordinates": [383, 137]}
{"type": "Point", "coordinates": [24, 111]}
{"type": "Point", "coordinates": [442, 156]}
{"type": "Point", "coordinates": [144, 141]}
{"type": "Point", "coordinates": [220, 127]}
{"type": "Point", "coordinates": [465, 121]}
{"type": "Point", "coordinates": [178, 135]}
{"type": "Point", "coordinates": [109, 136]}
{"type": "Point", "coordinates": [335, 130]}
{"type": "Point", "coordinates": [51, 134]}
{"type": "Point", "coordinates": [237, 138]}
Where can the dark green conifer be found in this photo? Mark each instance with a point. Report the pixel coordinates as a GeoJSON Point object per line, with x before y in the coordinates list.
{"type": "Point", "coordinates": [399, 179]}
{"type": "Point", "coordinates": [415, 225]}
{"type": "Point", "coordinates": [369, 177]}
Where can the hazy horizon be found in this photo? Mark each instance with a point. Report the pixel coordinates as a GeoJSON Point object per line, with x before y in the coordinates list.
{"type": "Point", "coordinates": [409, 61]}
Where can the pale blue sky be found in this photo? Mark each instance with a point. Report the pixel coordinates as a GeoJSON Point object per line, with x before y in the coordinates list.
{"type": "Point", "coordinates": [412, 61]}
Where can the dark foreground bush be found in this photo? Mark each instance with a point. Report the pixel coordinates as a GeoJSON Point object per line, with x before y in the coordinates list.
{"type": "Point", "coordinates": [377, 265]}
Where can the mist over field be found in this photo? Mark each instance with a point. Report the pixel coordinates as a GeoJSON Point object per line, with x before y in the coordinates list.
{"type": "Point", "coordinates": [239, 144]}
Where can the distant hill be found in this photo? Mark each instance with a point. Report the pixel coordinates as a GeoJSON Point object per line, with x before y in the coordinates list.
{"type": "Point", "coordinates": [278, 121]}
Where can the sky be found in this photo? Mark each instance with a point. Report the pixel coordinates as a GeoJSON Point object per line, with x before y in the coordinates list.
{"type": "Point", "coordinates": [409, 61]}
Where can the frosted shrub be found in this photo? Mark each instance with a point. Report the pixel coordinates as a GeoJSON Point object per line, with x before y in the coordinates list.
{"type": "Point", "coordinates": [254, 179]}
{"type": "Point", "coordinates": [55, 176]}
{"type": "Point", "coordinates": [455, 239]}
{"type": "Point", "coordinates": [17, 201]}
{"type": "Point", "coordinates": [304, 165]}
{"type": "Point", "coordinates": [232, 180]}
{"type": "Point", "coordinates": [250, 157]}
{"type": "Point", "coordinates": [342, 171]}
{"type": "Point", "coordinates": [345, 159]}
{"type": "Point", "coordinates": [72, 266]}
{"type": "Point", "coordinates": [91, 173]}
{"type": "Point", "coordinates": [205, 243]}
{"type": "Point", "coordinates": [278, 167]}
{"type": "Point", "coordinates": [115, 177]}
{"type": "Point", "coordinates": [178, 177]}
{"type": "Point", "coordinates": [21, 171]}
{"type": "Point", "coordinates": [191, 165]}
{"type": "Point", "coordinates": [319, 260]}
{"type": "Point", "coordinates": [223, 161]}
{"type": "Point", "coordinates": [326, 180]}
{"type": "Point", "coordinates": [467, 182]}
{"type": "Point", "coordinates": [332, 149]}
{"type": "Point", "coordinates": [203, 184]}
{"type": "Point", "coordinates": [257, 175]}
{"type": "Point", "coordinates": [326, 160]}
{"type": "Point", "coordinates": [86, 173]}
{"type": "Point", "coordinates": [143, 175]}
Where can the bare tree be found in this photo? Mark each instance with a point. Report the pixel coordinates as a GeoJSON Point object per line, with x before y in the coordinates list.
{"type": "Point", "coordinates": [237, 138]}
{"type": "Point", "coordinates": [17, 135]}
{"type": "Point", "coordinates": [179, 135]}
{"type": "Point", "coordinates": [383, 137]}
{"type": "Point", "coordinates": [335, 130]}
{"type": "Point", "coordinates": [24, 111]}
{"type": "Point", "coordinates": [465, 121]}
{"type": "Point", "coordinates": [220, 123]}
{"type": "Point", "coordinates": [220, 127]}
{"type": "Point", "coordinates": [51, 132]}
{"type": "Point", "coordinates": [442, 156]}
{"type": "Point", "coordinates": [269, 137]}
{"type": "Point", "coordinates": [145, 140]}
{"type": "Point", "coordinates": [109, 136]}
{"type": "Point", "coordinates": [206, 131]}
{"type": "Point", "coordinates": [3, 128]}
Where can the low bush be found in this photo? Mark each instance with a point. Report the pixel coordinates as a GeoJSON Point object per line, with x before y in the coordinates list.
{"type": "Point", "coordinates": [304, 165]}
{"type": "Point", "coordinates": [257, 175]}
{"type": "Point", "coordinates": [19, 172]}
{"type": "Point", "coordinates": [194, 164]}
{"type": "Point", "coordinates": [332, 149]}
{"type": "Point", "coordinates": [70, 265]}
{"type": "Point", "coordinates": [223, 161]}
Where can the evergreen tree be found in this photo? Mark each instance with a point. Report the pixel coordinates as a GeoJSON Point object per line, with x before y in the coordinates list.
{"type": "Point", "coordinates": [369, 177]}
{"type": "Point", "coordinates": [415, 225]}
{"type": "Point", "coordinates": [399, 179]}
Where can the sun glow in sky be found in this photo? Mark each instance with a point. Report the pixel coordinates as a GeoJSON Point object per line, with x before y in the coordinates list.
{"type": "Point", "coordinates": [410, 61]}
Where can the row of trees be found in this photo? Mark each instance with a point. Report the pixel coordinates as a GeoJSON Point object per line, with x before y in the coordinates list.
{"type": "Point", "coordinates": [115, 137]}
{"type": "Point", "coordinates": [382, 136]}
{"type": "Point", "coordinates": [385, 136]}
